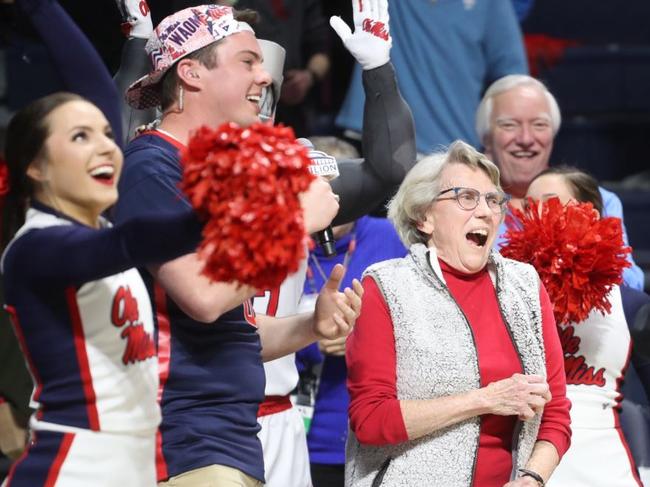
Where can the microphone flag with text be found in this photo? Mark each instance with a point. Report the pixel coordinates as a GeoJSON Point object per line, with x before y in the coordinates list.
{"type": "Point", "coordinates": [325, 166]}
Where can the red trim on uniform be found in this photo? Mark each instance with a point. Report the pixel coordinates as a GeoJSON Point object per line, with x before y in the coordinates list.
{"type": "Point", "coordinates": [166, 137]}
{"type": "Point", "coordinates": [164, 357]}
{"type": "Point", "coordinates": [619, 380]}
{"type": "Point", "coordinates": [249, 313]}
{"type": "Point", "coordinates": [618, 428]}
{"type": "Point", "coordinates": [13, 315]}
{"type": "Point", "coordinates": [59, 459]}
{"type": "Point", "coordinates": [617, 420]}
{"type": "Point", "coordinates": [161, 464]}
{"type": "Point", "coordinates": [164, 337]}
{"type": "Point", "coordinates": [274, 299]}
{"type": "Point", "coordinates": [82, 359]}
{"type": "Point", "coordinates": [274, 404]}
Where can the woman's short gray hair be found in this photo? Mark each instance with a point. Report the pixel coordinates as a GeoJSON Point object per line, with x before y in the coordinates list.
{"type": "Point", "coordinates": [422, 183]}
{"type": "Point", "coordinates": [503, 85]}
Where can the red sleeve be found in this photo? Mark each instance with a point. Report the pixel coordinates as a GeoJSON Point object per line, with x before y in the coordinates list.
{"type": "Point", "coordinates": [375, 414]}
{"type": "Point", "coordinates": [556, 420]}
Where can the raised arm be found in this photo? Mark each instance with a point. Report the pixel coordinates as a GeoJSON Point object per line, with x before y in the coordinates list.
{"type": "Point", "coordinates": [388, 130]}
{"type": "Point", "coordinates": [134, 62]}
{"type": "Point", "coordinates": [389, 146]}
{"type": "Point", "coordinates": [80, 67]}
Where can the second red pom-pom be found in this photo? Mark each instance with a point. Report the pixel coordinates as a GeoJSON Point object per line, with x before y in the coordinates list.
{"type": "Point", "coordinates": [578, 255]}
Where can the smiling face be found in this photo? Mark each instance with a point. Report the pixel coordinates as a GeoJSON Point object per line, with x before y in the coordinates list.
{"type": "Point", "coordinates": [232, 90]}
{"type": "Point", "coordinates": [81, 163]}
{"type": "Point", "coordinates": [462, 238]}
{"type": "Point", "coordinates": [521, 137]}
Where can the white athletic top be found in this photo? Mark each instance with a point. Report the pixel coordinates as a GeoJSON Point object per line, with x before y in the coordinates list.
{"type": "Point", "coordinates": [281, 374]}
{"type": "Point", "coordinates": [89, 343]}
{"type": "Point", "coordinates": [596, 355]}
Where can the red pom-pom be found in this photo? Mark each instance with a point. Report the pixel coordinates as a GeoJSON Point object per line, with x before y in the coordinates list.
{"type": "Point", "coordinates": [245, 182]}
{"type": "Point", "coordinates": [4, 188]}
{"type": "Point", "coordinates": [578, 255]}
{"type": "Point", "coordinates": [4, 178]}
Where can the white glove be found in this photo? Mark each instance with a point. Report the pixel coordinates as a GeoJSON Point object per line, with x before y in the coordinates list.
{"type": "Point", "coordinates": [371, 42]}
{"type": "Point", "coordinates": [136, 18]}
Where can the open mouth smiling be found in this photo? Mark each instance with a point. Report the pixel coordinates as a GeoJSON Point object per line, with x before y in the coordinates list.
{"type": "Point", "coordinates": [524, 154]}
{"type": "Point", "coordinates": [103, 174]}
{"type": "Point", "coordinates": [254, 99]}
{"type": "Point", "coordinates": [477, 237]}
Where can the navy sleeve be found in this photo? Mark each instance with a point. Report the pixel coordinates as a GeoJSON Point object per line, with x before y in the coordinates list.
{"type": "Point", "coordinates": [76, 254]}
{"type": "Point", "coordinates": [80, 67]}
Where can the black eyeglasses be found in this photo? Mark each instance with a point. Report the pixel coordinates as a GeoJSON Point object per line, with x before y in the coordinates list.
{"type": "Point", "coordinates": [469, 198]}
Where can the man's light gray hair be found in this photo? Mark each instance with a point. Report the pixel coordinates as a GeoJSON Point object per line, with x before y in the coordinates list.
{"type": "Point", "coordinates": [507, 83]}
{"type": "Point", "coordinates": [422, 184]}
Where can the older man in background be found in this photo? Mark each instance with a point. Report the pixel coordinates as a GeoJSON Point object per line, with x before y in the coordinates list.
{"type": "Point", "coordinates": [517, 121]}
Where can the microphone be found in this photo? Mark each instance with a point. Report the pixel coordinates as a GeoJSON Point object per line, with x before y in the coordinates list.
{"type": "Point", "coordinates": [325, 166]}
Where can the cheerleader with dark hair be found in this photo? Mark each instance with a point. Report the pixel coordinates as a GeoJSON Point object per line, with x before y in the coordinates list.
{"type": "Point", "coordinates": [79, 306]}
{"type": "Point", "coordinates": [580, 258]}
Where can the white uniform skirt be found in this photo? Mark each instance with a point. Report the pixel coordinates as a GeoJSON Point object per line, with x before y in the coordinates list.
{"type": "Point", "coordinates": [286, 457]}
{"type": "Point", "coordinates": [86, 458]}
{"type": "Point", "coordinates": [597, 457]}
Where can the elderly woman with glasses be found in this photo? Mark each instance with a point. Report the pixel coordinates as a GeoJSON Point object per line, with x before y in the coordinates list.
{"type": "Point", "coordinates": [455, 368]}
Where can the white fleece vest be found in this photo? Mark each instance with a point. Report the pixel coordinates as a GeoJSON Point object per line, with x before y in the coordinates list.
{"type": "Point", "coordinates": [436, 356]}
